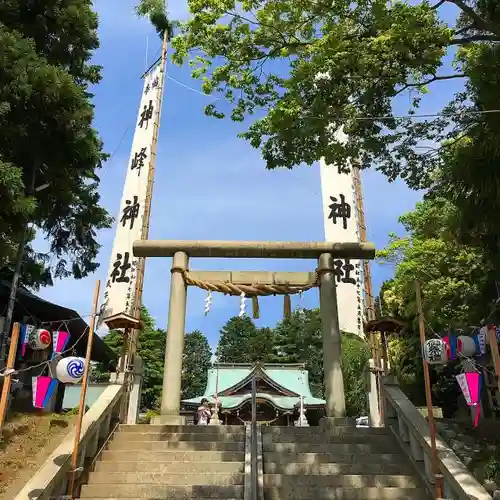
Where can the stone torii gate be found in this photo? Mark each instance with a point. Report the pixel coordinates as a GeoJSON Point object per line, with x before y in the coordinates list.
{"type": "Point", "coordinates": [256, 283]}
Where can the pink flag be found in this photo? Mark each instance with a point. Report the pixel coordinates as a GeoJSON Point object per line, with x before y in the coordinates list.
{"type": "Point", "coordinates": [59, 342]}
{"type": "Point", "coordinates": [471, 385]}
{"type": "Point", "coordinates": [43, 389]}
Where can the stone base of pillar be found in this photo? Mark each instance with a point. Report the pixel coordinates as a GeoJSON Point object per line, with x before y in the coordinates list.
{"type": "Point", "coordinates": [373, 397]}
{"type": "Point", "coordinates": [214, 420]}
{"type": "Point", "coordinates": [301, 422]}
{"type": "Point", "coordinates": [168, 420]}
{"type": "Point", "coordinates": [331, 422]}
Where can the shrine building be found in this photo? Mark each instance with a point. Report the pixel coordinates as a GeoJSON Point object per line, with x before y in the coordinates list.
{"type": "Point", "coordinates": [280, 388]}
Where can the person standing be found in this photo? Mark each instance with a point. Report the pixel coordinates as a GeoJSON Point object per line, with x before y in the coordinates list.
{"type": "Point", "coordinates": [203, 414]}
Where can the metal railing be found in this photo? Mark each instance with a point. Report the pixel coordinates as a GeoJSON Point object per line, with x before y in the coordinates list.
{"type": "Point", "coordinates": [254, 441]}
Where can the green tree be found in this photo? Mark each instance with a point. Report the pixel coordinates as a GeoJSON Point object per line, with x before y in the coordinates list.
{"type": "Point", "coordinates": [458, 283]}
{"type": "Point", "coordinates": [151, 349]}
{"type": "Point", "coordinates": [299, 339]}
{"type": "Point", "coordinates": [47, 139]}
{"type": "Point", "coordinates": [242, 342]}
{"type": "Point", "coordinates": [156, 11]}
{"type": "Point", "coordinates": [195, 364]}
{"type": "Point", "coordinates": [311, 67]}
{"type": "Point", "coordinates": [458, 280]}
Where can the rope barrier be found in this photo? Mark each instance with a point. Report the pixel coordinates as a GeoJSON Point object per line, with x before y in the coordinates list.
{"type": "Point", "coordinates": [255, 290]}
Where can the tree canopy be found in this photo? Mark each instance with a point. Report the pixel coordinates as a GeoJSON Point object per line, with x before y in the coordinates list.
{"type": "Point", "coordinates": [49, 151]}
{"type": "Point", "coordinates": [242, 342]}
{"type": "Point", "coordinates": [458, 280]}
{"type": "Point", "coordinates": [307, 68]}
{"type": "Point", "coordinates": [458, 284]}
{"type": "Point", "coordinates": [195, 365]}
{"type": "Point", "coordinates": [298, 339]}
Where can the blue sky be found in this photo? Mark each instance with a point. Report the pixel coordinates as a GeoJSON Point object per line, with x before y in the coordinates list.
{"type": "Point", "coordinates": [209, 184]}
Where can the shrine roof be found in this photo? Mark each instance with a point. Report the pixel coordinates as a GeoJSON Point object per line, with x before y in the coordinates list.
{"type": "Point", "coordinates": [291, 380]}
{"type": "Point", "coordinates": [234, 402]}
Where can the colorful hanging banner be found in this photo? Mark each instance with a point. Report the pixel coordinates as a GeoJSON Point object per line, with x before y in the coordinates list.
{"type": "Point", "coordinates": [24, 336]}
{"type": "Point", "coordinates": [43, 389]}
{"type": "Point", "coordinates": [471, 386]}
{"type": "Point", "coordinates": [59, 342]}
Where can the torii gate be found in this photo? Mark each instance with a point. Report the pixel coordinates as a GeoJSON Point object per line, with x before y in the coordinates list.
{"type": "Point", "coordinates": [255, 283]}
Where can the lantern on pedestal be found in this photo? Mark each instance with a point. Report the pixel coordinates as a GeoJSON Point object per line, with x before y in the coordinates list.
{"type": "Point", "coordinates": [70, 370]}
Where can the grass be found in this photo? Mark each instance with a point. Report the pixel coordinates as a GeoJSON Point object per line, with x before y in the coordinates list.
{"type": "Point", "coordinates": [26, 441]}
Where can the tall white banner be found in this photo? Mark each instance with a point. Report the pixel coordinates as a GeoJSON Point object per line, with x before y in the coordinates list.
{"type": "Point", "coordinates": [120, 288]}
{"type": "Point", "coordinates": [340, 220]}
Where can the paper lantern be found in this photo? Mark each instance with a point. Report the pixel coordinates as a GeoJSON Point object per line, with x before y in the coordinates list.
{"type": "Point", "coordinates": [468, 346]}
{"type": "Point", "coordinates": [435, 352]}
{"type": "Point", "coordinates": [70, 370]}
{"type": "Point", "coordinates": [43, 388]}
{"type": "Point", "coordinates": [61, 340]}
{"type": "Point", "coordinates": [39, 338]}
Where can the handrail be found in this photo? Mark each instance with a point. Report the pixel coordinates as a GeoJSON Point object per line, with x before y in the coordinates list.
{"type": "Point", "coordinates": [50, 480]}
{"type": "Point", "coordinates": [411, 429]}
{"type": "Point", "coordinates": [254, 485]}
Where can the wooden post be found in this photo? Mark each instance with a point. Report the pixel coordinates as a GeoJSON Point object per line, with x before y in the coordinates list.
{"type": "Point", "coordinates": [438, 478]}
{"type": "Point", "coordinates": [83, 393]}
{"type": "Point", "coordinates": [7, 380]}
{"type": "Point", "coordinates": [495, 355]}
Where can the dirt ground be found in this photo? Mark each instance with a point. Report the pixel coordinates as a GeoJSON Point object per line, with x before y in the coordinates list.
{"type": "Point", "coordinates": [26, 442]}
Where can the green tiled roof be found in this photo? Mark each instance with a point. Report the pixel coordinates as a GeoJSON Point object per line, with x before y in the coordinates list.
{"type": "Point", "coordinates": [292, 378]}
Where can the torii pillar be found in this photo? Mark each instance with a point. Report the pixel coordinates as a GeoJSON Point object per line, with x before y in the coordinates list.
{"type": "Point", "coordinates": [323, 252]}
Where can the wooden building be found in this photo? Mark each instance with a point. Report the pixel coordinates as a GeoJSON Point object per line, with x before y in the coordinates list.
{"type": "Point", "coordinates": [280, 389]}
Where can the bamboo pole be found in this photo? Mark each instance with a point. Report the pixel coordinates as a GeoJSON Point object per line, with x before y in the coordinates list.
{"type": "Point", "coordinates": [495, 355]}
{"type": "Point", "coordinates": [7, 380]}
{"type": "Point", "coordinates": [83, 393]}
{"type": "Point", "coordinates": [438, 478]}
{"type": "Point", "coordinates": [370, 309]}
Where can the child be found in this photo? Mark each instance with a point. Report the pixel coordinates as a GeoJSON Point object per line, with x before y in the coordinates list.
{"type": "Point", "coordinates": [203, 414]}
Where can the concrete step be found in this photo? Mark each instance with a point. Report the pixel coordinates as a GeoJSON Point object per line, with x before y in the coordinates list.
{"type": "Point", "coordinates": [172, 456]}
{"type": "Point", "coordinates": [375, 439]}
{"type": "Point", "coordinates": [182, 479]}
{"type": "Point", "coordinates": [332, 457]}
{"type": "Point", "coordinates": [315, 468]}
{"type": "Point", "coordinates": [318, 431]}
{"type": "Point", "coordinates": [179, 429]}
{"type": "Point", "coordinates": [328, 493]}
{"type": "Point", "coordinates": [173, 467]}
{"type": "Point", "coordinates": [160, 492]}
{"type": "Point", "coordinates": [388, 447]}
{"type": "Point", "coordinates": [181, 445]}
{"type": "Point", "coordinates": [176, 437]}
{"type": "Point", "coordinates": [343, 481]}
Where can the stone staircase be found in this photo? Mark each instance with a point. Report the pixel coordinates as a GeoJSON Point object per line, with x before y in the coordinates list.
{"type": "Point", "coordinates": [339, 463]}
{"type": "Point", "coordinates": [170, 463]}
